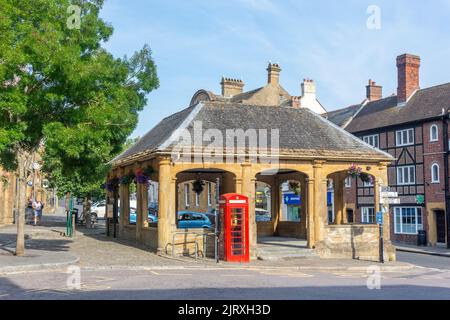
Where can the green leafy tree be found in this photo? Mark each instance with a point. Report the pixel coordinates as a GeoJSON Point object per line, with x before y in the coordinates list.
{"type": "Point", "coordinates": [63, 93]}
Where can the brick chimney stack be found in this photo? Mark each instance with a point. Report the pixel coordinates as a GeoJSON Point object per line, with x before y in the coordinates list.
{"type": "Point", "coordinates": [374, 92]}
{"type": "Point", "coordinates": [231, 87]}
{"type": "Point", "coordinates": [273, 73]}
{"type": "Point", "coordinates": [408, 66]}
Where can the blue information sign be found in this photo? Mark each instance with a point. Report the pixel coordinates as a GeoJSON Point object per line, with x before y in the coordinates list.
{"type": "Point", "coordinates": [380, 218]}
{"type": "Point", "coordinates": [292, 199]}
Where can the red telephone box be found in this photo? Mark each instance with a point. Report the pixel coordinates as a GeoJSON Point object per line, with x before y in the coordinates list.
{"type": "Point", "coordinates": [234, 227]}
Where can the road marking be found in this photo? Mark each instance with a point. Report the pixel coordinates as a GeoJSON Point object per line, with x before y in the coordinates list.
{"type": "Point", "coordinates": [103, 279]}
{"type": "Point", "coordinates": [171, 274]}
{"type": "Point", "coordinates": [297, 275]}
{"type": "Point", "coordinates": [236, 275]}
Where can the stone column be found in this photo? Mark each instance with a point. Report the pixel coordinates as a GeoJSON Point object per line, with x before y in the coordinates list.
{"type": "Point", "coordinates": [248, 189]}
{"type": "Point", "coordinates": [303, 209]}
{"type": "Point", "coordinates": [320, 201]}
{"type": "Point", "coordinates": [386, 223]}
{"type": "Point", "coordinates": [142, 210]}
{"type": "Point", "coordinates": [275, 196]}
{"type": "Point", "coordinates": [310, 228]}
{"type": "Point", "coordinates": [124, 206]}
{"type": "Point", "coordinates": [338, 183]}
{"type": "Point", "coordinates": [164, 199]}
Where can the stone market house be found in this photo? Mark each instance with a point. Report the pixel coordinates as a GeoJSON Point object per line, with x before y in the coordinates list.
{"type": "Point", "coordinates": [412, 126]}
{"type": "Point", "coordinates": [296, 147]}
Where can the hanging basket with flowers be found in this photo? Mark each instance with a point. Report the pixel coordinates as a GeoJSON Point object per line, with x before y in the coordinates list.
{"type": "Point", "coordinates": [127, 179]}
{"type": "Point", "coordinates": [294, 186]}
{"type": "Point", "coordinates": [356, 172]}
{"type": "Point", "coordinates": [112, 185]}
{"type": "Point", "coordinates": [198, 186]}
{"type": "Point", "coordinates": [143, 176]}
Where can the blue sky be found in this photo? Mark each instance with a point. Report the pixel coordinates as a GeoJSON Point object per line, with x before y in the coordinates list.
{"type": "Point", "coordinates": [195, 42]}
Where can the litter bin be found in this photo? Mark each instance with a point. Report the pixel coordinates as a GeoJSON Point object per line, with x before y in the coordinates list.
{"type": "Point", "coordinates": [422, 238]}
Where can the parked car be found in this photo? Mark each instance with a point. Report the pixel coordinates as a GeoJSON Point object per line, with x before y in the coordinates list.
{"type": "Point", "coordinates": [211, 214]}
{"type": "Point", "coordinates": [133, 217]}
{"type": "Point", "coordinates": [193, 220]}
{"type": "Point", "coordinates": [153, 208]}
{"type": "Point", "coordinates": [98, 209]}
{"type": "Point", "coordinates": [262, 215]}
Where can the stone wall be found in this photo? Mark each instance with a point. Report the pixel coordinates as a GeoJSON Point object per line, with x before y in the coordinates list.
{"type": "Point", "coordinates": [291, 229]}
{"type": "Point", "coordinates": [353, 241]}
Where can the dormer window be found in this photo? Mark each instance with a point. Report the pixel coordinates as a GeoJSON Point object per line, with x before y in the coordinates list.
{"type": "Point", "coordinates": [434, 133]}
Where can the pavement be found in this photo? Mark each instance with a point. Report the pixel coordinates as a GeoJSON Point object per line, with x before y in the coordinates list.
{"type": "Point", "coordinates": [47, 247]}
{"type": "Point", "coordinates": [434, 251]}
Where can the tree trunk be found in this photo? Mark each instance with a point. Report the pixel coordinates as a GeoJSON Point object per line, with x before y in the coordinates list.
{"type": "Point", "coordinates": [87, 211]}
{"type": "Point", "coordinates": [22, 201]}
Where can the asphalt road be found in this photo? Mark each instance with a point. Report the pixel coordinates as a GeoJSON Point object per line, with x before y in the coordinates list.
{"type": "Point", "coordinates": [210, 284]}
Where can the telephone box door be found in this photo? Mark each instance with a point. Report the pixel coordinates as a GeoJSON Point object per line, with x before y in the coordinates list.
{"type": "Point", "coordinates": [236, 233]}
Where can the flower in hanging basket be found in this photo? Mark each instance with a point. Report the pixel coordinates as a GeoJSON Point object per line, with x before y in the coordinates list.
{"type": "Point", "coordinates": [127, 179]}
{"type": "Point", "coordinates": [365, 177]}
{"type": "Point", "coordinates": [112, 185]}
{"type": "Point", "coordinates": [198, 186]}
{"type": "Point", "coordinates": [354, 171]}
{"type": "Point", "coordinates": [149, 171]}
{"type": "Point", "coordinates": [142, 178]}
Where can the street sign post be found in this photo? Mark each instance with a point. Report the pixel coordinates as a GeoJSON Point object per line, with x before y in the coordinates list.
{"type": "Point", "coordinates": [379, 218]}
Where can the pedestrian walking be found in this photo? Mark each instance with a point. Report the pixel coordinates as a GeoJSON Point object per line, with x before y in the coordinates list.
{"type": "Point", "coordinates": [37, 210]}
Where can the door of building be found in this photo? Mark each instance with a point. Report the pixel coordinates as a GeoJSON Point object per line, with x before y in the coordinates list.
{"type": "Point", "coordinates": [440, 225]}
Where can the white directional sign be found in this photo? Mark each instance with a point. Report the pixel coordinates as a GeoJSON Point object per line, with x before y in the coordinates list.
{"type": "Point", "coordinates": [389, 194]}
{"type": "Point", "coordinates": [391, 200]}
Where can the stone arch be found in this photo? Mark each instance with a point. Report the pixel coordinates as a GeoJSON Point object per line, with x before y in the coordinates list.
{"type": "Point", "coordinates": [353, 195]}
{"type": "Point", "coordinates": [283, 203]}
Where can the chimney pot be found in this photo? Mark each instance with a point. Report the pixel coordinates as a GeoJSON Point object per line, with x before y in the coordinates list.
{"type": "Point", "coordinates": [273, 71]}
{"type": "Point", "coordinates": [373, 91]}
{"type": "Point", "coordinates": [231, 87]}
{"type": "Point", "coordinates": [408, 67]}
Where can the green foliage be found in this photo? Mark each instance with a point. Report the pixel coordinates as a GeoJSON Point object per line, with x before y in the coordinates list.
{"type": "Point", "coordinates": [61, 87]}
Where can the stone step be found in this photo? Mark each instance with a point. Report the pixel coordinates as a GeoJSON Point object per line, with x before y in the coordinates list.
{"type": "Point", "coordinates": [263, 254]}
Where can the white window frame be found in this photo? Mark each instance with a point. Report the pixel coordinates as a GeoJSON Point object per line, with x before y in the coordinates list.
{"type": "Point", "coordinates": [434, 139]}
{"type": "Point", "coordinates": [409, 136]}
{"type": "Point", "coordinates": [186, 195]}
{"type": "Point", "coordinates": [197, 200]}
{"type": "Point", "coordinates": [433, 178]}
{"type": "Point", "coordinates": [398, 229]}
{"type": "Point", "coordinates": [365, 213]}
{"type": "Point", "coordinates": [348, 182]}
{"type": "Point", "coordinates": [401, 174]}
{"type": "Point", "coordinates": [373, 140]}
{"type": "Point", "coordinates": [209, 194]}
{"type": "Point", "coordinates": [368, 184]}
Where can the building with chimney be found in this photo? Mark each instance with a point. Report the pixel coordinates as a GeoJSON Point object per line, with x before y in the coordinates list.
{"type": "Point", "coordinates": [265, 144]}
{"type": "Point", "coordinates": [412, 126]}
